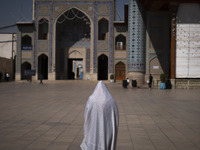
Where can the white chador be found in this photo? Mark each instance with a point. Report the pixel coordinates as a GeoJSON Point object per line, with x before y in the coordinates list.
{"type": "Point", "coordinates": [101, 121]}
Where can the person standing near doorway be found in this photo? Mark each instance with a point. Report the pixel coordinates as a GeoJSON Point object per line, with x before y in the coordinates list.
{"type": "Point", "coordinates": [7, 76]}
{"type": "Point", "coordinates": [150, 81]}
{"type": "Point", "coordinates": [1, 76]}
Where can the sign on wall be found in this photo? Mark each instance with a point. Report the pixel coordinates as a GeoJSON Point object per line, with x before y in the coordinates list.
{"type": "Point", "coordinates": [188, 51]}
{"type": "Point", "coordinates": [27, 47]}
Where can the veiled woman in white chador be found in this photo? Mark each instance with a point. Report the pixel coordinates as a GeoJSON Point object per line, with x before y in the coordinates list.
{"type": "Point", "coordinates": [101, 120]}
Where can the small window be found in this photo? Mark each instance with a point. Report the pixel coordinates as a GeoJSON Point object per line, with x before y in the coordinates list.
{"type": "Point", "coordinates": [26, 40]}
{"type": "Point", "coordinates": [43, 29]}
{"type": "Point", "coordinates": [120, 42]}
{"type": "Point", "coordinates": [103, 29]}
{"type": "Point", "coordinates": [26, 43]}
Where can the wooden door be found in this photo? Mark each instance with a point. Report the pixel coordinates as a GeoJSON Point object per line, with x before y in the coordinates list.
{"type": "Point", "coordinates": [120, 71]}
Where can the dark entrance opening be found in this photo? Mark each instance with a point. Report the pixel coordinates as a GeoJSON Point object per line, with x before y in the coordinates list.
{"type": "Point", "coordinates": [43, 66]}
{"type": "Point", "coordinates": [71, 73]}
{"type": "Point", "coordinates": [103, 67]}
{"type": "Point", "coordinates": [25, 66]}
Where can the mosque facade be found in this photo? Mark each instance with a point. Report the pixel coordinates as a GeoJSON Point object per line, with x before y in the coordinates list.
{"type": "Point", "coordinates": [71, 39]}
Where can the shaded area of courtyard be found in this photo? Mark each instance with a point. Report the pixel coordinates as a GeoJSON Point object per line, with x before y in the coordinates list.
{"type": "Point", "coordinates": [51, 116]}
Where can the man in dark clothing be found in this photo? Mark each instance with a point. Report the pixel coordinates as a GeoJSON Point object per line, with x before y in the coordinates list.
{"type": "Point", "coordinates": [150, 81]}
{"type": "Point", "coordinates": [7, 76]}
{"type": "Point", "coordinates": [1, 75]}
{"type": "Point", "coordinates": [41, 77]}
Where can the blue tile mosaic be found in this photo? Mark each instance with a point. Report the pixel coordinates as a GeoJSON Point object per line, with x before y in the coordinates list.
{"type": "Point", "coordinates": [136, 37]}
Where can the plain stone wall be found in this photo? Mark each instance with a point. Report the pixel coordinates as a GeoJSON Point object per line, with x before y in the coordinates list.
{"type": "Point", "coordinates": [6, 45]}
{"type": "Point", "coordinates": [7, 50]}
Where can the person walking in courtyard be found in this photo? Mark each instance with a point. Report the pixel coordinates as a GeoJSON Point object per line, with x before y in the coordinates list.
{"type": "Point", "coordinates": [101, 121]}
{"type": "Point", "coordinates": [7, 77]}
{"type": "Point", "coordinates": [150, 81]}
{"type": "Point", "coordinates": [41, 78]}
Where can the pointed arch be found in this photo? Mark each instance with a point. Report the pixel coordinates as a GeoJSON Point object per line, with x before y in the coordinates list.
{"type": "Point", "coordinates": [25, 66]}
{"type": "Point", "coordinates": [71, 8]}
{"type": "Point", "coordinates": [75, 53]}
{"type": "Point", "coordinates": [43, 66]}
{"type": "Point", "coordinates": [72, 29]}
{"type": "Point", "coordinates": [120, 42]}
{"type": "Point", "coordinates": [102, 67]}
{"type": "Point", "coordinates": [73, 24]}
{"type": "Point", "coordinates": [43, 29]}
{"type": "Point", "coordinates": [26, 40]}
{"type": "Point", "coordinates": [103, 27]}
{"type": "Point", "coordinates": [120, 71]}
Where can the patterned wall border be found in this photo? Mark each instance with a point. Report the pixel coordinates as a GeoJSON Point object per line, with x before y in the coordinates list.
{"type": "Point", "coordinates": [18, 57]}
{"type": "Point", "coordinates": [95, 40]}
{"type": "Point", "coordinates": [96, 4]}
{"type": "Point", "coordinates": [87, 60]}
{"type": "Point", "coordinates": [43, 45]}
{"type": "Point", "coordinates": [102, 46]}
{"type": "Point", "coordinates": [70, 5]}
{"type": "Point", "coordinates": [35, 35]}
{"type": "Point", "coordinates": [50, 37]}
{"type": "Point", "coordinates": [111, 39]}
{"type": "Point", "coordinates": [136, 37]}
{"type": "Point", "coordinates": [43, 10]}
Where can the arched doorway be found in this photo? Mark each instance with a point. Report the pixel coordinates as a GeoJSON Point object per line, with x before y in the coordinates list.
{"type": "Point", "coordinates": [79, 72]}
{"type": "Point", "coordinates": [25, 66]}
{"type": "Point", "coordinates": [120, 42]}
{"type": "Point", "coordinates": [75, 59]}
{"type": "Point", "coordinates": [43, 66]}
{"type": "Point", "coordinates": [26, 40]}
{"type": "Point", "coordinates": [120, 71]}
{"type": "Point", "coordinates": [103, 67]}
{"type": "Point", "coordinates": [72, 31]}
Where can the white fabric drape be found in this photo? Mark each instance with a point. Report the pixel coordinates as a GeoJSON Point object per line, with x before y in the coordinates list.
{"type": "Point", "coordinates": [101, 120]}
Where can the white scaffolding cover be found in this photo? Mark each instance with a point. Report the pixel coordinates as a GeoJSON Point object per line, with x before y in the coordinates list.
{"type": "Point", "coordinates": [188, 51]}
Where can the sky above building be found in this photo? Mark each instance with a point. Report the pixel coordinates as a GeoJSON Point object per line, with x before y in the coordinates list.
{"type": "Point", "coordinates": [12, 11]}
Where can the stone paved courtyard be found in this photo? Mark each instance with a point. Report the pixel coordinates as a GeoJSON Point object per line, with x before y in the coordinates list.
{"type": "Point", "coordinates": [51, 116]}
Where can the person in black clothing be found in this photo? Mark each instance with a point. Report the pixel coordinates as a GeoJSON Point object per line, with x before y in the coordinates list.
{"type": "Point", "coordinates": [150, 81]}
{"type": "Point", "coordinates": [7, 76]}
{"type": "Point", "coordinates": [1, 75]}
{"type": "Point", "coordinates": [41, 77]}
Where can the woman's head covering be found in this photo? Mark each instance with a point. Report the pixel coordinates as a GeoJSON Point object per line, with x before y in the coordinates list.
{"type": "Point", "coordinates": [101, 120]}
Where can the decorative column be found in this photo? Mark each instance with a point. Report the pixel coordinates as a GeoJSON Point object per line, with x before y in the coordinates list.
{"type": "Point", "coordinates": [18, 56]}
{"type": "Point", "coordinates": [173, 12]}
{"type": "Point", "coordinates": [51, 73]}
{"type": "Point", "coordinates": [136, 42]}
{"type": "Point", "coordinates": [35, 37]}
